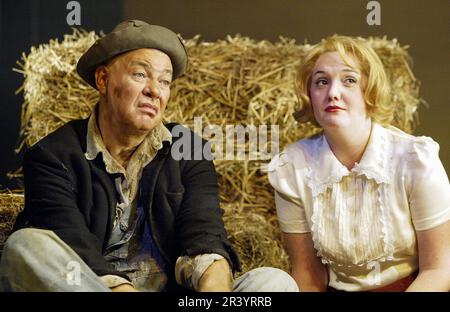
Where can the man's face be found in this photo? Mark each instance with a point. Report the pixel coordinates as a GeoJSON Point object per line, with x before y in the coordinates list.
{"type": "Point", "coordinates": [137, 89]}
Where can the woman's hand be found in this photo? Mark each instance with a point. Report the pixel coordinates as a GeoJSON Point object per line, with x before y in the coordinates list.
{"type": "Point", "coordinates": [434, 259]}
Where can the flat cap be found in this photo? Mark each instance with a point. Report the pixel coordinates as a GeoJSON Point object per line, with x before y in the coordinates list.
{"type": "Point", "coordinates": [131, 35]}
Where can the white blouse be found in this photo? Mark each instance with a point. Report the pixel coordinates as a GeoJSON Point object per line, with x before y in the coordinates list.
{"type": "Point", "coordinates": [363, 221]}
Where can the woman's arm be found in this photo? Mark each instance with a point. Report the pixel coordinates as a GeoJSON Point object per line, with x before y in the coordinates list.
{"type": "Point", "coordinates": [434, 259]}
{"type": "Point", "coordinates": [307, 269]}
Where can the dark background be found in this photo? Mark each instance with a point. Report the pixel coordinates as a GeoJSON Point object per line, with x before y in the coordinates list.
{"type": "Point", "coordinates": [423, 25]}
{"type": "Point", "coordinates": [26, 23]}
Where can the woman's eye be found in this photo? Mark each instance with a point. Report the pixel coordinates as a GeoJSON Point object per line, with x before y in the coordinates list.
{"type": "Point", "coordinates": [350, 80]}
{"type": "Point", "coordinates": [321, 82]}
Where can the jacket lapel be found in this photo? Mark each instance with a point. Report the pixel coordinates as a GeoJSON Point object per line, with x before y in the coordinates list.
{"type": "Point", "coordinates": [148, 184]}
{"type": "Point", "coordinates": [99, 175]}
{"type": "Point", "coordinates": [151, 173]}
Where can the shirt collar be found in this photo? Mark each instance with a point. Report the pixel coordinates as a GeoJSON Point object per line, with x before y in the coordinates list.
{"type": "Point", "coordinates": [95, 145]}
{"type": "Point", "coordinates": [374, 164]}
{"type": "Point", "coordinates": [326, 169]}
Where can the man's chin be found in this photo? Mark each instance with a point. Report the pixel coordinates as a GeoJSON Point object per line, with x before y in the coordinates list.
{"type": "Point", "coordinates": [147, 118]}
{"type": "Point", "coordinates": [148, 125]}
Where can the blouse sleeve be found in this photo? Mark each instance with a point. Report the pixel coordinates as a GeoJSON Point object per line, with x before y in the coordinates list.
{"type": "Point", "coordinates": [289, 206]}
{"type": "Point", "coordinates": [429, 194]}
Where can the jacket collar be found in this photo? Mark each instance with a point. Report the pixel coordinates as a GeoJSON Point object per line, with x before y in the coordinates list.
{"type": "Point", "coordinates": [326, 169]}
{"type": "Point", "coordinates": [145, 151]}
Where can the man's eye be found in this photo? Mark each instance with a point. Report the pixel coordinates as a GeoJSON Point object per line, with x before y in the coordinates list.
{"type": "Point", "coordinates": [165, 83]}
{"type": "Point", "coordinates": [139, 75]}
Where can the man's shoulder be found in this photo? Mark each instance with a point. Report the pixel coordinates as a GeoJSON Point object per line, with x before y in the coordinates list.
{"type": "Point", "coordinates": [187, 145]}
{"type": "Point", "coordinates": [179, 131]}
{"type": "Point", "coordinates": [171, 125]}
{"type": "Point", "coordinates": [67, 138]}
{"type": "Point", "coordinates": [176, 128]}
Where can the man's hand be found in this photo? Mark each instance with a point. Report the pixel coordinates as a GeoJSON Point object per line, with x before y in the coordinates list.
{"type": "Point", "coordinates": [217, 277]}
{"type": "Point", "coordinates": [124, 288]}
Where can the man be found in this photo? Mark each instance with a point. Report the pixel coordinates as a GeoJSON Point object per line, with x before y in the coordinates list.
{"type": "Point", "coordinates": [107, 207]}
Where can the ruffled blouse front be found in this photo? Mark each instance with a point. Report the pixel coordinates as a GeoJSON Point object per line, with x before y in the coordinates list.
{"type": "Point", "coordinates": [363, 221]}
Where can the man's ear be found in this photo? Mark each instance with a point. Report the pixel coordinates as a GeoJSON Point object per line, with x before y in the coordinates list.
{"type": "Point", "coordinates": [101, 79]}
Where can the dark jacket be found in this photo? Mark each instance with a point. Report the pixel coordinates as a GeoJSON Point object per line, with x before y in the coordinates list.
{"type": "Point", "coordinates": [75, 198]}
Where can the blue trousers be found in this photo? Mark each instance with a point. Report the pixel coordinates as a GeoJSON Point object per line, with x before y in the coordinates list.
{"type": "Point", "coordinates": [38, 260]}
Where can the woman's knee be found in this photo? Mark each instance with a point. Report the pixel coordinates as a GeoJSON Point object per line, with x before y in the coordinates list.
{"type": "Point", "coordinates": [267, 279]}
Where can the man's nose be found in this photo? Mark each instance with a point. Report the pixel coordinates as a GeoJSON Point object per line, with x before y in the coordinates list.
{"type": "Point", "coordinates": [334, 92]}
{"type": "Point", "coordinates": [152, 89]}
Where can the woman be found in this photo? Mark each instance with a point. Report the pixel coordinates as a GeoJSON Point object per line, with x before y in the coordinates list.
{"type": "Point", "coordinates": [363, 206]}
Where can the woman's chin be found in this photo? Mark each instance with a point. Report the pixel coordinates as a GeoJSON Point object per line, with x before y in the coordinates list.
{"type": "Point", "coordinates": [334, 123]}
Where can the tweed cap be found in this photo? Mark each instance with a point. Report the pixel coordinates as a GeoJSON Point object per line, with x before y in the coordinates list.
{"type": "Point", "coordinates": [131, 35]}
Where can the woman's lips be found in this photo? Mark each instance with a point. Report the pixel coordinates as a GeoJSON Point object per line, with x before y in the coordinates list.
{"type": "Point", "coordinates": [333, 108]}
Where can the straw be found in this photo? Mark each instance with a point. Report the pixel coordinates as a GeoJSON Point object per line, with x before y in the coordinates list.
{"type": "Point", "coordinates": [232, 81]}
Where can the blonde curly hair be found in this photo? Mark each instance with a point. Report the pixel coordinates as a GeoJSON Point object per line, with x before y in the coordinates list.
{"type": "Point", "coordinates": [376, 85]}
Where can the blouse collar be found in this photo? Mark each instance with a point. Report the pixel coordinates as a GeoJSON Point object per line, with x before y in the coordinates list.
{"type": "Point", "coordinates": [327, 170]}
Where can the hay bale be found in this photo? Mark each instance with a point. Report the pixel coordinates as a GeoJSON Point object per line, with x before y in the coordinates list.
{"type": "Point", "coordinates": [11, 203]}
{"type": "Point", "coordinates": [256, 239]}
{"type": "Point", "coordinates": [233, 81]}
{"type": "Point", "coordinates": [405, 87]}
{"type": "Point", "coordinates": [53, 92]}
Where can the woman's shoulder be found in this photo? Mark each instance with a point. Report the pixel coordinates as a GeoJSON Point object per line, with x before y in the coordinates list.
{"type": "Point", "coordinates": [287, 170]}
{"type": "Point", "coordinates": [296, 155]}
{"type": "Point", "coordinates": [422, 147]}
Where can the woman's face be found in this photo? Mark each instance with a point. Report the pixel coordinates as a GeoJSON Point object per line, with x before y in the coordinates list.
{"type": "Point", "coordinates": [336, 92]}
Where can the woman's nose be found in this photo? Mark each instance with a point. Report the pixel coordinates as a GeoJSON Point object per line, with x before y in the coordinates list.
{"type": "Point", "coordinates": [334, 92]}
